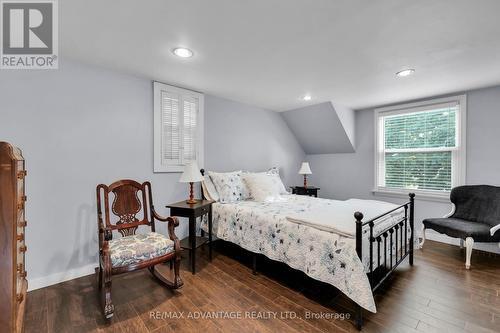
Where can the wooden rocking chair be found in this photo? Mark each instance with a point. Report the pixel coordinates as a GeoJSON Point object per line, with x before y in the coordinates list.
{"type": "Point", "coordinates": [132, 252]}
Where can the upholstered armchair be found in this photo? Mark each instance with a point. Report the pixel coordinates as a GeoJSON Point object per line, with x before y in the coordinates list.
{"type": "Point", "coordinates": [475, 217]}
{"type": "Point", "coordinates": [132, 207]}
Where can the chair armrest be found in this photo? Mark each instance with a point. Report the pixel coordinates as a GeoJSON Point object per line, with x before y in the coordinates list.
{"type": "Point", "coordinates": [105, 249]}
{"type": "Point", "coordinates": [158, 216]}
{"type": "Point", "coordinates": [453, 208]}
{"type": "Point", "coordinates": [494, 229]}
{"type": "Point", "coordinates": [104, 253]}
{"type": "Point", "coordinates": [173, 222]}
{"type": "Point", "coordinates": [107, 233]}
{"type": "Point", "coordinates": [105, 262]}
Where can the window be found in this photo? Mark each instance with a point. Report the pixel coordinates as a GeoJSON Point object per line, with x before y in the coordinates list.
{"type": "Point", "coordinates": [420, 147]}
{"type": "Point", "coordinates": [178, 128]}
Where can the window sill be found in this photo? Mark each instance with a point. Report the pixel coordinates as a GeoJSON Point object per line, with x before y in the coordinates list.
{"type": "Point", "coordinates": [419, 195]}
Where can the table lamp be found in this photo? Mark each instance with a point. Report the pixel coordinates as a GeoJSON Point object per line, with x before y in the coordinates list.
{"type": "Point", "coordinates": [191, 175]}
{"type": "Point", "coordinates": [305, 170]}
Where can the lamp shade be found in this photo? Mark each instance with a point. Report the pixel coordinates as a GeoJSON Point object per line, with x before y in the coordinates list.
{"type": "Point", "coordinates": [191, 174]}
{"type": "Point", "coordinates": [305, 169]}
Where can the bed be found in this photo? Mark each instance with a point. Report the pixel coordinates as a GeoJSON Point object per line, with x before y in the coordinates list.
{"type": "Point", "coordinates": [356, 261]}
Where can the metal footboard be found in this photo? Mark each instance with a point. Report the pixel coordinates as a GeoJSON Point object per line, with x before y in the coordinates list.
{"type": "Point", "coordinates": [391, 245]}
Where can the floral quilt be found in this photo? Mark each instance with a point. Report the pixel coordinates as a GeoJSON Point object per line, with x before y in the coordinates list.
{"type": "Point", "coordinates": [325, 256]}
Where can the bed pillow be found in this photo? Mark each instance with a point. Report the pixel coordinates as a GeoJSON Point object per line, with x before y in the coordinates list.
{"type": "Point", "coordinates": [263, 187]}
{"type": "Point", "coordinates": [275, 171]}
{"type": "Point", "coordinates": [244, 175]}
{"type": "Point", "coordinates": [279, 183]}
{"type": "Point", "coordinates": [209, 189]}
{"type": "Point", "coordinates": [229, 186]}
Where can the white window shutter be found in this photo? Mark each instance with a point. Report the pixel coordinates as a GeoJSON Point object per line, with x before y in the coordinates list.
{"type": "Point", "coordinates": [178, 128]}
{"type": "Point", "coordinates": [190, 108]}
{"type": "Point", "coordinates": [171, 129]}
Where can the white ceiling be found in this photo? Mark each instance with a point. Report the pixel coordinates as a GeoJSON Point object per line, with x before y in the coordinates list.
{"type": "Point", "coordinates": [269, 53]}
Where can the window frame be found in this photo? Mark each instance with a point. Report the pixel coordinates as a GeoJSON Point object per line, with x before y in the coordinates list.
{"type": "Point", "coordinates": [158, 167]}
{"type": "Point", "coordinates": [458, 155]}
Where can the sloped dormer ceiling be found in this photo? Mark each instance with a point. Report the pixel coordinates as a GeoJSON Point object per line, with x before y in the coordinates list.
{"type": "Point", "coordinates": [324, 128]}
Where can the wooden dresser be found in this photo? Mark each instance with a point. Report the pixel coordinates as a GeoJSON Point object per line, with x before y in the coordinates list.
{"type": "Point", "coordinates": [13, 283]}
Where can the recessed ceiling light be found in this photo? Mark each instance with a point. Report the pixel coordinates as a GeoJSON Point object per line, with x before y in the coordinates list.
{"type": "Point", "coordinates": [405, 72]}
{"type": "Point", "coordinates": [182, 52]}
{"type": "Point", "coordinates": [307, 98]}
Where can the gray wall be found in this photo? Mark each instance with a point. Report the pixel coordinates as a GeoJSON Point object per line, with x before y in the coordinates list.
{"type": "Point", "coordinates": [241, 136]}
{"type": "Point", "coordinates": [343, 176]}
{"type": "Point", "coordinates": [321, 129]}
{"type": "Point", "coordinates": [79, 126]}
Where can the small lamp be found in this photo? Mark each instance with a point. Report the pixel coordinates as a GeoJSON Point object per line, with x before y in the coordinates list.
{"type": "Point", "coordinates": [191, 175]}
{"type": "Point", "coordinates": [305, 170]}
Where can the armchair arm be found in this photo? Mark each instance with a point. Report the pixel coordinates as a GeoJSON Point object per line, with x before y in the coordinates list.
{"type": "Point", "coordinates": [494, 229]}
{"type": "Point", "coordinates": [105, 262]}
{"type": "Point", "coordinates": [105, 235]}
{"type": "Point", "coordinates": [105, 232]}
{"type": "Point", "coordinates": [158, 216]}
{"type": "Point", "coordinates": [450, 214]}
{"type": "Point", "coordinates": [173, 222]}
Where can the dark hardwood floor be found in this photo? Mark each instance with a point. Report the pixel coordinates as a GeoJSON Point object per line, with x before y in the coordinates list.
{"type": "Point", "coordinates": [436, 295]}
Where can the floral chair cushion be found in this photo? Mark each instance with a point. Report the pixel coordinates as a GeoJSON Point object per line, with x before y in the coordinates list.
{"type": "Point", "coordinates": [137, 248]}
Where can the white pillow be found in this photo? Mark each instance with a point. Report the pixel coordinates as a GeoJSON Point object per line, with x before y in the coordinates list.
{"type": "Point", "coordinates": [274, 171]}
{"type": "Point", "coordinates": [279, 183]}
{"type": "Point", "coordinates": [263, 187]}
{"type": "Point", "coordinates": [209, 189]}
{"type": "Point", "coordinates": [229, 186]}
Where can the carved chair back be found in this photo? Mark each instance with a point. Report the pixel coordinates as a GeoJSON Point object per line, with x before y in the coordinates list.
{"type": "Point", "coordinates": [129, 199]}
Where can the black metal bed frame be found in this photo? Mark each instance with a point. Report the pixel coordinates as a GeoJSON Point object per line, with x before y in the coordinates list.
{"type": "Point", "coordinates": [404, 246]}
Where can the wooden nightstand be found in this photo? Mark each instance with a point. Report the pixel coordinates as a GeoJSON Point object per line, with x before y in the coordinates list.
{"type": "Point", "coordinates": [301, 190]}
{"type": "Point", "coordinates": [192, 212]}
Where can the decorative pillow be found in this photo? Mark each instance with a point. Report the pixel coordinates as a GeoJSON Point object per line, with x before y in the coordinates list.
{"type": "Point", "coordinates": [263, 187]}
{"type": "Point", "coordinates": [229, 186]}
{"type": "Point", "coordinates": [244, 175]}
{"type": "Point", "coordinates": [209, 189]}
{"type": "Point", "coordinates": [273, 171]}
{"type": "Point", "coordinates": [279, 183]}
{"type": "Point", "coordinates": [206, 195]}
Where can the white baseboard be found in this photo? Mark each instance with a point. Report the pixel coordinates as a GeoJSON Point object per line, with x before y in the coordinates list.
{"type": "Point", "coordinates": [56, 278]}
